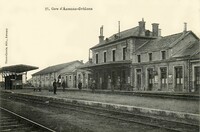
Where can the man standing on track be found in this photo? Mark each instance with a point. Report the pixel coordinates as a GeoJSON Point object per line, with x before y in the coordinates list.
{"type": "Point", "coordinates": [54, 86]}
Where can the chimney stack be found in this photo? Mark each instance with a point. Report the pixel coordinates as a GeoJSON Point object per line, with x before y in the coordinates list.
{"type": "Point", "coordinates": [101, 37]}
{"type": "Point", "coordinates": [159, 32]}
{"type": "Point", "coordinates": [185, 27]}
{"type": "Point", "coordinates": [142, 27]}
{"type": "Point", "coordinates": [155, 29]}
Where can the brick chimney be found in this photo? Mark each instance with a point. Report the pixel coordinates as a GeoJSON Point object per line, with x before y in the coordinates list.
{"type": "Point", "coordinates": [142, 27]}
{"type": "Point", "coordinates": [101, 37]}
{"type": "Point", "coordinates": [185, 27]}
{"type": "Point", "coordinates": [159, 32]}
{"type": "Point", "coordinates": [155, 29]}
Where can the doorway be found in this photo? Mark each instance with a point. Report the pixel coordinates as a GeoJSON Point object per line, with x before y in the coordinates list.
{"type": "Point", "coordinates": [163, 80]}
{"type": "Point", "coordinates": [150, 78]}
{"type": "Point", "coordinates": [178, 78]}
{"type": "Point", "coordinates": [197, 78]}
{"type": "Point", "coordinates": [138, 78]}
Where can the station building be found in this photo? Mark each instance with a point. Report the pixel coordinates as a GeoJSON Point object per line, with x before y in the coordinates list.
{"type": "Point", "coordinates": [67, 72]}
{"type": "Point", "coordinates": [111, 59]}
{"type": "Point", "coordinates": [141, 59]}
{"type": "Point", "coordinates": [169, 63]}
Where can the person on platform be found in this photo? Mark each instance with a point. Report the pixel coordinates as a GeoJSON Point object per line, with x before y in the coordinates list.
{"type": "Point", "coordinates": [54, 86]}
{"type": "Point", "coordinates": [93, 85]}
{"type": "Point", "coordinates": [80, 85]}
{"type": "Point", "coordinates": [63, 85]}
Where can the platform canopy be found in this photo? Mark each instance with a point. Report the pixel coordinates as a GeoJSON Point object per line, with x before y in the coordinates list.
{"type": "Point", "coordinates": [17, 68]}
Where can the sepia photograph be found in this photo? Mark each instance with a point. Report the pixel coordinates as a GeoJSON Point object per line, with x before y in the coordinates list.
{"type": "Point", "coordinates": [99, 65]}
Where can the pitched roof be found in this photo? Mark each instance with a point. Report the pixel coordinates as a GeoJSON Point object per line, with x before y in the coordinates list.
{"type": "Point", "coordinates": [193, 48]}
{"type": "Point", "coordinates": [160, 43]}
{"type": "Point", "coordinates": [56, 68]}
{"type": "Point", "coordinates": [123, 34]}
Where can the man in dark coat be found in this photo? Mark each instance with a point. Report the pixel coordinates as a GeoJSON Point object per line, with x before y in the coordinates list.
{"type": "Point", "coordinates": [63, 85]}
{"type": "Point", "coordinates": [54, 86]}
{"type": "Point", "coordinates": [80, 85]}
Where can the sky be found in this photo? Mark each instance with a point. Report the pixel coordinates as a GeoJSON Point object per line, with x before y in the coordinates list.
{"type": "Point", "coordinates": [43, 38]}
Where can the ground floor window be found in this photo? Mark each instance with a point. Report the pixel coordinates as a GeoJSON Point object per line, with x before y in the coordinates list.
{"type": "Point", "coordinates": [197, 78]}
{"type": "Point", "coordinates": [178, 78]}
{"type": "Point", "coordinates": [163, 80]}
{"type": "Point", "coordinates": [138, 78]}
{"type": "Point", "coordinates": [150, 78]}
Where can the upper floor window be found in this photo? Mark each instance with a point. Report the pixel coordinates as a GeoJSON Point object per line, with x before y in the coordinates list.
{"type": "Point", "coordinates": [163, 55]}
{"type": "Point", "coordinates": [97, 58]}
{"type": "Point", "coordinates": [124, 53]}
{"type": "Point", "coordinates": [150, 56]}
{"type": "Point", "coordinates": [113, 55]}
{"type": "Point", "coordinates": [104, 56]}
{"type": "Point", "coordinates": [138, 58]}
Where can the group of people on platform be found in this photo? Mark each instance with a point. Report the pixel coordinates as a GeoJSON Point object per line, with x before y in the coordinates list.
{"type": "Point", "coordinates": [57, 84]}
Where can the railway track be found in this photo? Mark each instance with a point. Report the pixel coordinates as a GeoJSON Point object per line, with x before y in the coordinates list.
{"type": "Point", "coordinates": [10, 122]}
{"type": "Point", "coordinates": [117, 115]}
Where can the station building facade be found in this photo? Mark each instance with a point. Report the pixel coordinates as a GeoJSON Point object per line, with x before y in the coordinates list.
{"type": "Point", "coordinates": [168, 63]}
{"type": "Point", "coordinates": [111, 61]}
{"type": "Point", "coordinates": [143, 60]}
{"type": "Point", "coordinates": [66, 72]}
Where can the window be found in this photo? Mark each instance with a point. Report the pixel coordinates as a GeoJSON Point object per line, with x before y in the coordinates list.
{"type": "Point", "coordinates": [150, 56]}
{"type": "Point", "coordinates": [139, 59]}
{"type": "Point", "coordinates": [197, 77]}
{"type": "Point", "coordinates": [179, 75]}
{"type": "Point", "coordinates": [139, 78]}
{"type": "Point", "coordinates": [124, 53]}
{"type": "Point", "coordinates": [97, 58]}
{"type": "Point", "coordinates": [150, 78]}
{"type": "Point", "coordinates": [163, 53]}
{"type": "Point", "coordinates": [113, 55]}
{"type": "Point", "coordinates": [163, 74]}
{"type": "Point", "coordinates": [104, 56]}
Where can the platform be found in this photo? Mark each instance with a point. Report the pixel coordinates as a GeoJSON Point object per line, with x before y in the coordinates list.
{"type": "Point", "coordinates": [178, 108]}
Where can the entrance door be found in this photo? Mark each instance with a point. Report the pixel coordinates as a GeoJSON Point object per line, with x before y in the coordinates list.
{"type": "Point", "coordinates": [105, 80]}
{"type": "Point", "coordinates": [113, 79]}
{"type": "Point", "coordinates": [66, 82]}
{"type": "Point", "coordinates": [138, 77]}
{"type": "Point", "coordinates": [150, 78]}
{"type": "Point", "coordinates": [97, 79]}
{"type": "Point", "coordinates": [178, 78]}
{"type": "Point", "coordinates": [8, 82]}
{"type": "Point", "coordinates": [75, 81]}
{"type": "Point", "coordinates": [163, 78]}
{"type": "Point", "coordinates": [197, 78]}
